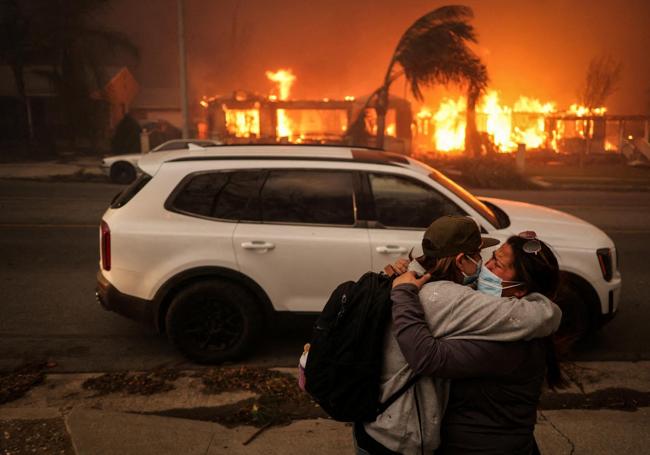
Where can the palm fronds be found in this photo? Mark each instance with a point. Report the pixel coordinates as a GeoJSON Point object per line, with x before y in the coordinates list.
{"type": "Point", "coordinates": [434, 50]}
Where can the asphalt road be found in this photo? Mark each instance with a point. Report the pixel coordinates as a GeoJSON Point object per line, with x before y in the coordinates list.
{"type": "Point", "coordinates": [48, 261]}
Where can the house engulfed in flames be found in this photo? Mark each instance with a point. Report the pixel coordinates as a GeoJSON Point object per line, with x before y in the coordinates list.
{"type": "Point", "coordinates": [245, 117]}
{"type": "Point", "coordinates": [529, 122]}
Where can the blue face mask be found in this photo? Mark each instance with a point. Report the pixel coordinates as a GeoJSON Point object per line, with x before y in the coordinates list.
{"type": "Point", "coordinates": [489, 283]}
{"type": "Point", "coordinates": [469, 279]}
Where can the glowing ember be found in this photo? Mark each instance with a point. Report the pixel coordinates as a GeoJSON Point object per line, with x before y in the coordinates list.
{"type": "Point", "coordinates": [284, 79]}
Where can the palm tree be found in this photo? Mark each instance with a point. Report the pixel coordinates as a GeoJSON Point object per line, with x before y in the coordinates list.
{"type": "Point", "coordinates": [433, 50]}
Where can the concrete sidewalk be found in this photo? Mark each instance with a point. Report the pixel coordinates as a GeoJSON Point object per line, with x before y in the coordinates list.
{"type": "Point", "coordinates": [118, 423]}
{"type": "Point", "coordinates": [82, 168]}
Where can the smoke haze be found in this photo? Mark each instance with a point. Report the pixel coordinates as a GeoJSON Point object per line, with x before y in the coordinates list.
{"type": "Point", "coordinates": [536, 48]}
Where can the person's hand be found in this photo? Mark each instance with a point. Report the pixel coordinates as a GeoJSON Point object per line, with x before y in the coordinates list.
{"type": "Point", "coordinates": [399, 267]}
{"type": "Point", "coordinates": [410, 278]}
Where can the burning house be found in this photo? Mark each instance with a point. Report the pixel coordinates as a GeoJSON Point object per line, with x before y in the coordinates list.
{"type": "Point", "coordinates": [246, 117]}
{"type": "Point", "coordinates": [536, 125]}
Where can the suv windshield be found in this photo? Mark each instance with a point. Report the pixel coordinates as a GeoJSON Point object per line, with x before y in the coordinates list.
{"type": "Point", "coordinates": [466, 196]}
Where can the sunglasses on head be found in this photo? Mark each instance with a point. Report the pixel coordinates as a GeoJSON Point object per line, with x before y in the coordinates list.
{"type": "Point", "coordinates": [532, 245]}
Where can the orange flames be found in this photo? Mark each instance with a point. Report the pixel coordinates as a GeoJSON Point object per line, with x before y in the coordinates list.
{"type": "Point", "coordinates": [284, 79]}
{"type": "Point", "coordinates": [449, 125]}
{"type": "Point", "coordinates": [243, 122]}
{"type": "Point", "coordinates": [507, 127]}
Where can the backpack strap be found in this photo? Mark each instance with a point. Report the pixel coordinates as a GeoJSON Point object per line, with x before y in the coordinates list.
{"type": "Point", "coordinates": [386, 404]}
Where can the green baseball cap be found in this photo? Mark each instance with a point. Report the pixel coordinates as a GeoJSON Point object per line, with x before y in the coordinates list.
{"type": "Point", "coordinates": [453, 234]}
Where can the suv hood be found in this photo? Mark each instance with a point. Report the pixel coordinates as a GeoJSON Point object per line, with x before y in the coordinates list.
{"type": "Point", "coordinates": [553, 226]}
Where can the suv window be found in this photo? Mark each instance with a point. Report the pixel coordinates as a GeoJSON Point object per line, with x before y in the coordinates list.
{"type": "Point", "coordinates": [130, 191]}
{"type": "Point", "coordinates": [224, 195]}
{"type": "Point", "coordinates": [406, 203]}
{"type": "Point", "coordinates": [305, 196]}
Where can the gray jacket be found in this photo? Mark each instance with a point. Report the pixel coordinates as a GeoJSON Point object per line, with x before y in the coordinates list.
{"type": "Point", "coordinates": [412, 422]}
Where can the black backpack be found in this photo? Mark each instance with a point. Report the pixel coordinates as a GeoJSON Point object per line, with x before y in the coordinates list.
{"type": "Point", "coordinates": [345, 359]}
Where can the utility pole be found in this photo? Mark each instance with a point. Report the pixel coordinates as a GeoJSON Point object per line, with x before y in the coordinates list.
{"type": "Point", "coordinates": [182, 63]}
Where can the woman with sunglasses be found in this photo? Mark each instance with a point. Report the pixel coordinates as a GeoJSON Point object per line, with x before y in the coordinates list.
{"type": "Point", "coordinates": [495, 387]}
{"type": "Point", "coordinates": [451, 310]}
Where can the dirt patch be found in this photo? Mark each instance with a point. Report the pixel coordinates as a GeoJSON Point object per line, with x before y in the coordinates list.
{"type": "Point", "coordinates": [279, 400]}
{"type": "Point", "coordinates": [147, 383]}
{"type": "Point", "coordinates": [48, 436]}
{"type": "Point", "coordinates": [15, 384]}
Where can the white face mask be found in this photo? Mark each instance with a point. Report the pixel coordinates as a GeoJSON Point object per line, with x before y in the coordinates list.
{"type": "Point", "coordinates": [489, 283]}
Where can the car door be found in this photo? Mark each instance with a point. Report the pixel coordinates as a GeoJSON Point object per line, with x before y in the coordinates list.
{"type": "Point", "coordinates": [304, 240]}
{"type": "Point", "coordinates": [401, 209]}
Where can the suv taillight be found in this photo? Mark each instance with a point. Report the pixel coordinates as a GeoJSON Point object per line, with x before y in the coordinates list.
{"type": "Point", "coordinates": [106, 246]}
{"type": "Point", "coordinates": [605, 261]}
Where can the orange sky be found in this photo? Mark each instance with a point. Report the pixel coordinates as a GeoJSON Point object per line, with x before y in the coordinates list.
{"type": "Point", "coordinates": [537, 48]}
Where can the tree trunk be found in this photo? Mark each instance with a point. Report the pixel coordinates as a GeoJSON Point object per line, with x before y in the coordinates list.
{"type": "Point", "coordinates": [471, 132]}
{"type": "Point", "coordinates": [381, 108]}
{"type": "Point", "coordinates": [19, 77]}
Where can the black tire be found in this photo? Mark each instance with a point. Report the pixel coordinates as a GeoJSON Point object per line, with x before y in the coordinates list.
{"type": "Point", "coordinates": [213, 321]}
{"type": "Point", "coordinates": [122, 173]}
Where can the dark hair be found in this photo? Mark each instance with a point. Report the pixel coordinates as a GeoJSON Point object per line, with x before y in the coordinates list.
{"type": "Point", "coordinates": [540, 273]}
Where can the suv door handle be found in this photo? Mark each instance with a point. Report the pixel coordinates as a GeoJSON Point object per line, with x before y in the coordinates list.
{"type": "Point", "coordinates": [391, 249]}
{"type": "Point", "coordinates": [257, 245]}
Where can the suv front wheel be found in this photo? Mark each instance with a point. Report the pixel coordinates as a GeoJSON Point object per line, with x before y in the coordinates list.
{"type": "Point", "coordinates": [213, 321]}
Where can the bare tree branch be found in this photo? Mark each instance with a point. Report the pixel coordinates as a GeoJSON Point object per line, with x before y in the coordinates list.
{"type": "Point", "coordinates": [602, 79]}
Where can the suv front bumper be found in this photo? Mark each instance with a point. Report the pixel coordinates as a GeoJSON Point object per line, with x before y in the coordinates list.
{"type": "Point", "coordinates": [135, 308]}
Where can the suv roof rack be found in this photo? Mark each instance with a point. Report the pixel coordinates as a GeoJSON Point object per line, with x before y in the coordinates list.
{"type": "Point", "coordinates": [150, 163]}
{"type": "Point", "coordinates": [365, 156]}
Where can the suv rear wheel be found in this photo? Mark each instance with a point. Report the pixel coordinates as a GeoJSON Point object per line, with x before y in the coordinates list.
{"type": "Point", "coordinates": [213, 321]}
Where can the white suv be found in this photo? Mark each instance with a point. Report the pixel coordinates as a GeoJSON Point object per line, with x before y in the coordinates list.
{"type": "Point", "coordinates": [209, 245]}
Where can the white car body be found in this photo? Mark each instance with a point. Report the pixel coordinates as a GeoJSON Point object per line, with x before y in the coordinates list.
{"type": "Point", "coordinates": [296, 266]}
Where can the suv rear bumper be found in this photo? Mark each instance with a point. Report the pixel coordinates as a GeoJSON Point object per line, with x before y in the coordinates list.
{"type": "Point", "coordinates": [135, 308]}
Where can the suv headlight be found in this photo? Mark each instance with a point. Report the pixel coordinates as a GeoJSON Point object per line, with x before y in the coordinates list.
{"type": "Point", "coordinates": [605, 262]}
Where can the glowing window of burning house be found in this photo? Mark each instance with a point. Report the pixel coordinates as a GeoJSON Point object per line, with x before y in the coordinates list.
{"type": "Point", "coordinates": [315, 124]}
{"type": "Point", "coordinates": [242, 122]}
